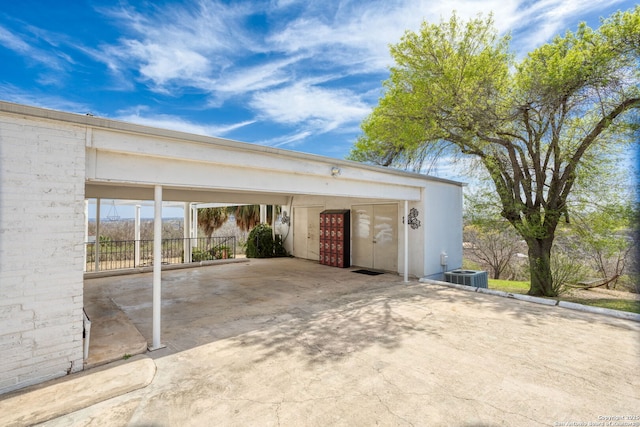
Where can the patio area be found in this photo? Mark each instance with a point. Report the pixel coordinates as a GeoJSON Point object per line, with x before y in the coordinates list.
{"type": "Point", "coordinates": [292, 342]}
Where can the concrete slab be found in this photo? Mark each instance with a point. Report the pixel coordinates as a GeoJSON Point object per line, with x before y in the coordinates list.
{"type": "Point", "coordinates": [289, 342]}
{"type": "Point", "coordinates": [53, 399]}
{"type": "Point", "coordinates": [112, 335]}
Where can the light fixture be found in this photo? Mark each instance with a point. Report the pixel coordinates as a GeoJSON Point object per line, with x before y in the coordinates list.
{"type": "Point", "coordinates": [335, 171]}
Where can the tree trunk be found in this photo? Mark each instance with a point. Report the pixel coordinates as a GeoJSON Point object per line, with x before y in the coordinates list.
{"type": "Point", "coordinates": [540, 265]}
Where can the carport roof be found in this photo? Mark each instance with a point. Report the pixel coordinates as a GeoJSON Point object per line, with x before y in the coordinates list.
{"type": "Point", "coordinates": [99, 122]}
{"type": "Point", "coordinates": [111, 151]}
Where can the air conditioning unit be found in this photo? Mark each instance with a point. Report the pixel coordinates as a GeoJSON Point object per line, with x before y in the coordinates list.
{"type": "Point", "coordinates": [478, 279]}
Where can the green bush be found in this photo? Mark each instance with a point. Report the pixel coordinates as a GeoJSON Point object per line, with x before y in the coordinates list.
{"type": "Point", "coordinates": [260, 243]}
{"type": "Point", "coordinates": [198, 255]}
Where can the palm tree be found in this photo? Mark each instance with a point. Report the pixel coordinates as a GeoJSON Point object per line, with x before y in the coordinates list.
{"type": "Point", "coordinates": [248, 216]}
{"type": "Point", "coordinates": [210, 219]}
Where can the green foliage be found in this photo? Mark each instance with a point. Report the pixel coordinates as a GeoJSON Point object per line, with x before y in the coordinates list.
{"type": "Point", "coordinates": [520, 287]}
{"type": "Point", "coordinates": [211, 219]}
{"type": "Point", "coordinates": [198, 255]}
{"type": "Point", "coordinates": [565, 270]}
{"type": "Point", "coordinates": [604, 235]}
{"type": "Point", "coordinates": [261, 244]}
{"type": "Point", "coordinates": [613, 304]}
{"type": "Point", "coordinates": [248, 216]}
{"type": "Point", "coordinates": [512, 286]}
{"type": "Point", "coordinates": [539, 127]}
{"type": "Point", "coordinates": [217, 252]}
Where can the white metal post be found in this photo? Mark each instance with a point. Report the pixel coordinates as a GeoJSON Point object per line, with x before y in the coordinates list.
{"type": "Point", "coordinates": [136, 237]}
{"type": "Point", "coordinates": [96, 246]}
{"type": "Point", "coordinates": [406, 240]}
{"type": "Point", "coordinates": [273, 222]}
{"type": "Point", "coordinates": [187, 233]}
{"type": "Point", "coordinates": [194, 226]}
{"type": "Point", "coordinates": [157, 267]}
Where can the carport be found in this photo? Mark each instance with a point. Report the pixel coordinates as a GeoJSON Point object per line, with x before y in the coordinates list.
{"type": "Point", "coordinates": [72, 158]}
{"type": "Point", "coordinates": [128, 161]}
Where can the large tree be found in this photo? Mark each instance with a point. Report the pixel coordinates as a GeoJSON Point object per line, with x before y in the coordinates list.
{"type": "Point", "coordinates": [535, 125]}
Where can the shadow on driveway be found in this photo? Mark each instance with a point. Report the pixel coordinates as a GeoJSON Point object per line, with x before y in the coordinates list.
{"type": "Point", "coordinates": [322, 313]}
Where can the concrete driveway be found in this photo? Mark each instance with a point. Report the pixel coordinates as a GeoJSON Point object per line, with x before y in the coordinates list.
{"type": "Point", "coordinates": [290, 342]}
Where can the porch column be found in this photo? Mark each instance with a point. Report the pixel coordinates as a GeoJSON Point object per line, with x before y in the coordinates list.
{"type": "Point", "coordinates": [406, 240]}
{"type": "Point", "coordinates": [157, 267]}
{"type": "Point", "coordinates": [136, 237]}
{"type": "Point", "coordinates": [187, 233]}
{"type": "Point", "coordinates": [263, 214]}
{"type": "Point", "coordinates": [273, 222]}
{"type": "Point", "coordinates": [96, 246]}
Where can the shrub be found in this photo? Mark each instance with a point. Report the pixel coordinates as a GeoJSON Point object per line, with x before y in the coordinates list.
{"type": "Point", "coordinates": [260, 243]}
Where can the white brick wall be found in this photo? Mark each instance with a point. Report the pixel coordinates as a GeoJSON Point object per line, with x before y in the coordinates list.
{"type": "Point", "coordinates": [42, 173]}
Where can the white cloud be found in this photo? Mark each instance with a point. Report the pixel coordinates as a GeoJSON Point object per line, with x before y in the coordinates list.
{"type": "Point", "coordinates": [11, 93]}
{"type": "Point", "coordinates": [291, 139]}
{"type": "Point", "coordinates": [326, 109]}
{"type": "Point", "coordinates": [206, 44]}
{"type": "Point", "coordinates": [179, 45]}
{"type": "Point", "coordinates": [310, 110]}
{"type": "Point", "coordinates": [11, 41]}
{"type": "Point", "coordinates": [165, 121]}
{"type": "Point", "coordinates": [250, 79]}
{"type": "Point", "coordinates": [26, 46]}
{"type": "Point", "coordinates": [161, 63]}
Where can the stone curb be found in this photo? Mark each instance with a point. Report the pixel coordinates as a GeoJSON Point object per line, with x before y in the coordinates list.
{"type": "Point", "coordinates": [139, 270]}
{"type": "Point", "coordinates": [600, 310]}
{"type": "Point", "coordinates": [59, 397]}
{"type": "Point", "coordinates": [538, 300]}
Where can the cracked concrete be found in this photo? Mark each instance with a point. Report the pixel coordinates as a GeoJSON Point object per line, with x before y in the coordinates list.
{"type": "Point", "coordinates": [287, 342]}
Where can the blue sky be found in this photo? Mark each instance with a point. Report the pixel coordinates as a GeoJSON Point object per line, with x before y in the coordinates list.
{"type": "Point", "coordinates": [299, 75]}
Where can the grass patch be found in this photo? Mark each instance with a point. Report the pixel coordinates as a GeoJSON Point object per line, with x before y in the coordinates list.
{"type": "Point", "coordinates": [511, 286]}
{"type": "Point", "coordinates": [517, 287]}
{"type": "Point", "coordinates": [615, 304]}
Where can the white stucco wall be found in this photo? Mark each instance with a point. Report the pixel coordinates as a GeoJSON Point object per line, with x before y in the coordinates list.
{"type": "Point", "coordinates": [438, 233]}
{"type": "Point", "coordinates": [41, 250]}
{"type": "Point", "coordinates": [442, 228]}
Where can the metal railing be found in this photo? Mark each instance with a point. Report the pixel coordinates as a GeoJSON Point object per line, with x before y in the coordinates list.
{"type": "Point", "coordinates": [122, 254]}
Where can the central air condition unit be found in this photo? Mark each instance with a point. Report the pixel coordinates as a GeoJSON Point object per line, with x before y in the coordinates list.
{"type": "Point", "coordinates": [478, 279]}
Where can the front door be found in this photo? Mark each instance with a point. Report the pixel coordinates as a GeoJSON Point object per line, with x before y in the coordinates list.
{"type": "Point", "coordinates": [306, 237]}
{"type": "Point", "coordinates": [375, 237]}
